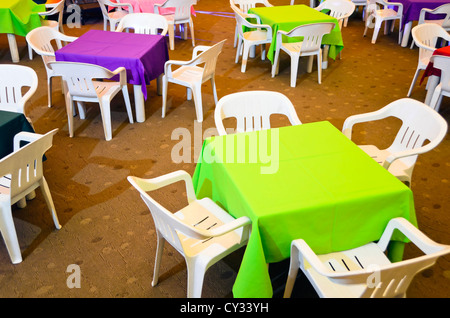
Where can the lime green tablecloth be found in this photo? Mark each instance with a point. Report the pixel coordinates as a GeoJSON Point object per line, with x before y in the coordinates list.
{"type": "Point", "coordinates": [312, 183]}
{"type": "Point", "coordinates": [286, 18]}
{"type": "Point", "coordinates": [19, 16]}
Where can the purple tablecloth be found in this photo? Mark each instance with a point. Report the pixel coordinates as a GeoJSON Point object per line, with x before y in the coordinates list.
{"type": "Point", "coordinates": [411, 8]}
{"type": "Point", "coordinates": [142, 55]}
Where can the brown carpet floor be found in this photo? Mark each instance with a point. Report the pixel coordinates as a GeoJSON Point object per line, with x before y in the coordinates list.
{"type": "Point", "coordinates": [107, 229]}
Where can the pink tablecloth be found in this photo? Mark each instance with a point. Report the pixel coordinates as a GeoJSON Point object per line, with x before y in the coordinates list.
{"type": "Point", "coordinates": [148, 6]}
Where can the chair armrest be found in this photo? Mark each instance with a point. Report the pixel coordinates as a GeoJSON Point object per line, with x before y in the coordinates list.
{"type": "Point", "coordinates": [168, 66]}
{"type": "Point", "coordinates": [301, 250]}
{"type": "Point", "coordinates": [419, 239]}
{"type": "Point", "coordinates": [165, 180]}
{"type": "Point", "coordinates": [360, 118]}
{"type": "Point", "coordinates": [199, 48]}
{"type": "Point", "coordinates": [24, 136]}
{"type": "Point", "coordinates": [128, 5]}
{"type": "Point", "coordinates": [231, 226]}
{"type": "Point", "coordinates": [123, 74]}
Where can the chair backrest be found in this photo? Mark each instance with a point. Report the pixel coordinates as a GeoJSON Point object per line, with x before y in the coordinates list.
{"type": "Point", "coordinates": [209, 59]}
{"type": "Point", "coordinates": [443, 9]}
{"type": "Point", "coordinates": [13, 78]}
{"type": "Point", "coordinates": [40, 40]}
{"type": "Point", "coordinates": [245, 5]}
{"type": "Point", "coordinates": [339, 9]}
{"type": "Point", "coordinates": [56, 9]}
{"type": "Point", "coordinates": [419, 124]}
{"type": "Point", "coordinates": [78, 77]}
{"type": "Point", "coordinates": [312, 34]}
{"type": "Point", "coordinates": [166, 223]}
{"type": "Point", "coordinates": [426, 36]}
{"type": "Point", "coordinates": [144, 23]}
{"type": "Point", "coordinates": [252, 110]}
{"type": "Point", "coordinates": [24, 166]}
{"type": "Point", "coordinates": [182, 8]}
{"type": "Point", "coordinates": [106, 5]}
{"type": "Point", "coordinates": [443, 63]}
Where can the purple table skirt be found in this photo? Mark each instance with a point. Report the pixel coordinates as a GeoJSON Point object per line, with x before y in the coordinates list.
{"type": "Point", "coordinates": [142, 55]}
{"type": "Point", "coordinates": [411, 8]}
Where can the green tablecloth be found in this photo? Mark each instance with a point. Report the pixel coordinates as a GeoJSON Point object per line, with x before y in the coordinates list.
{"type": "Point", "coordinates": [318, 185]}
{"type": "Point", "coordinates": [286, 18]}
{"type": "Point", "coordinates": [19, 16]}
{"type": "Point", "coordinates": [11, 124]}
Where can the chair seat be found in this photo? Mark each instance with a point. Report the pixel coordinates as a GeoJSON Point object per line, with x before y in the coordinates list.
{"type": "Point", "coordinates": [257, 35]}
{"type": "Point", "coordinates": [103, 90]}
{"type": "Point", "coordinates": [117, 14]}
{"type": "Point", "coordinates": [358, 258]}
{"type": "Point", "coordinates": [205, 214]}
{"type": "Point", "coordinates": [187, 74]}
{"type": "Point", "coordinates": [397, 168]}
{"type": "Point", "coordinates": [387, 13]}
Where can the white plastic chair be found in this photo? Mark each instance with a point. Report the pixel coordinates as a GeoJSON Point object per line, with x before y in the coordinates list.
{"type": "Point", "coordinates": [81, 86]}
{"type": "Point", "coordinates": [339, 9]}
{"type": "Point", "coordinates": [383, 11]}
{"type": "Point", "coordinates": [252, 110]}
{"type": "Point", "coordinates": [114, 16]}
{"type": "Point", "coordinates": [55, 9]}
{"type": "Point", "coordinates": [426, 36]}
{"type": "Point", "coordinates": [311, 45]}
{"type": "Point", "coordinates": [259, 34]}
{"type": "Point", "coordinates": [443, 89]}
{"type": "Point", "coordinates": [419, 124]}
{"type": "Point", "coordinates": [244, 6]}
{"type": "Point", "coordinates": [182, 15]}
{"type": "Point", "coordinates": [201, 232]}
{"type": "Point", "coordinates": [24, 173]}
{"type": "Point", "coordinates": [144, 23]}
{"type": "Point", "coordinates": [364, 272]}
{"type": "Point", "coordinates": [444, 23]}
{"type": "Point", "coordinates": [13, 79]}
{"type": "Point", "coordinates": [41, 41]}
{"type": "Point", "coordinates": [192, 74]}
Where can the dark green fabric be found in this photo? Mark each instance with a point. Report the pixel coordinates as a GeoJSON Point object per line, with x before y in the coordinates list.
{"type": "Point", "coordinates": [11, 124]}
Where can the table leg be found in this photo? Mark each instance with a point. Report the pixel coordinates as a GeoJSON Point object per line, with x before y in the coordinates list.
{"type": "Point", "coordinates": [325, 57]}
{"type": "Point", "coordinates": [432, 82]}
{"type": "Point", "coordinates": [13, 47]}
{"type": "Point", "coordinates": [159, 85]}
{"type": "Point", "coordinates": [139, 103]}
{"type": "Point", "coordinates": [406, 33]}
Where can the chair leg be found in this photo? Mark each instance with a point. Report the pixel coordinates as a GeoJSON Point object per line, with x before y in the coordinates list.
{"type": "Point", "coordinates": [276, 63]}
{"type": "Point", "coordinates": [171, 36]}
{"type": "Point", "coordinates": [69, 110]}
{"type": "Point", "coordinates": [191, 27]}
{"type": "Point", "coordinates": [292, 274]}
{"type": "Point", "coordinates": [416, 75]}
{"type": "Point", "coordinates": [164, 95]}
{"type": "Point", "coordinates": [238, 51]}
{"type": "Point", "coordinates": [197, 94]}
{"type": "Point", "coordinates": [8, 230]}
{"type": "Point", "coordinates": [126, 97]}
{"type": "Point", "coordinates": [105, 111]}
{"type": "Point", "coordinates": [436, 98]}
{"type": "Point", "coordinates": [196, 274]}
{"type": "Point", "coordinates": [159, 253]}
{"type": "Point", "coordinates": [376, 30]}
{"type": "Point", "coordinates": [49, 90]}
{"type": "Point", "coordinates": [244, 57]}
{"type": "Point", "coordinates": [213, 84]}
{"type": "Point", "coordinates": [48, 199]}
{"type": "Point", "coordinates": [294, 69]}
{"type": "Point", "coordinates": [319, 67]}
{"type": "Point", "coordinates": [236, 35]}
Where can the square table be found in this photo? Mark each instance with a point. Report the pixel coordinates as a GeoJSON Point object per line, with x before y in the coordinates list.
{"type": "Point", "coordinates": [411, 12]}
{"type": "Point", "coordinates": [307, 181]}
{"type": "Point", "coordinates": [288, 17]}
{"type": "Point", "coordinates": [18, 17]}
{"type": "Point", "coordinates": [143, 56]}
